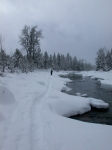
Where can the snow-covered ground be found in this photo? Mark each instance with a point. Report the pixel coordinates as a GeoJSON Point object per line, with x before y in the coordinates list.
{"type": "Point", "coordinates": [34, 111]}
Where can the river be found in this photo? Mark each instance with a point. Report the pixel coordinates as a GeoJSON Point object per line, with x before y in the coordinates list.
{"type": "Point", "coordinates": [93, 89]}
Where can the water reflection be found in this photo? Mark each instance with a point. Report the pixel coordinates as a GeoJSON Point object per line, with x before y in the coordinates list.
{"type": "Point", "coordinates": [107, 87]}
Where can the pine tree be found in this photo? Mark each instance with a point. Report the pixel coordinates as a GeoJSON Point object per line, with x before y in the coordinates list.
{"type": "Point", "coordinates": [67, 61]}
{"type": "Point", "coordinates": [16, 58]}
{"type": "Point", "coordinates": [54, 62]}
{"type": "Point", "coordinates": [100, 60]}
{"type": "Point", "coordinates": [80, 66]}
{"type": "Point", "coordinates": [75, 64]}
{"type": "Point", "coordinates": [58, 61]}
{"type": "Point", "coordinates": [50, 61]}
{"type": "Point", "coordinates": [108, 61]}
{"type": "Point", "coordinates": [3, 60]}
{"type": "Point", "coordinates": [46, 60]}
{"type": "Point", "coordinates": [62, 62]}
{"type": "Point", "coordinates": [37, 57]}
{"type": "Point", "coordinates": [111, 59]}
{"type": "Point", "coordinates": [70, 63]}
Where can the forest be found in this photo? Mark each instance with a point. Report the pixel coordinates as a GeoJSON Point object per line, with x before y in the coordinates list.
{"type": "Point", "coordinates": [34, 58]}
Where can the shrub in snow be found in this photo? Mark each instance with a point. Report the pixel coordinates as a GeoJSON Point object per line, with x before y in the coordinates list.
{"type": "Point", "coordinates": [6, 96]}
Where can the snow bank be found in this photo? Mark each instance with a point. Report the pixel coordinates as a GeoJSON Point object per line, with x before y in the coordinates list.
{"type": "Point", "coordinates": [67, 105]}
{"type": "Point", "coordinates": [97, 103]}
{"type": "Point", "coordinates": [99, 75]}
{"type": "Point", "coordinates": [1, 117]}
{"type": "Point", "coordinates": [84, 95]}
{"type": "Point", "coordinates": [78, 94]}
{"type": "Point", "coordinates": [6, 96]}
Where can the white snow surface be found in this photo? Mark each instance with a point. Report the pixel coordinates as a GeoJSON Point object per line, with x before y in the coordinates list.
{"type": "Point", "coordinates": [34, 111]}
{"type": "Point", "coordinates": [6, 96]}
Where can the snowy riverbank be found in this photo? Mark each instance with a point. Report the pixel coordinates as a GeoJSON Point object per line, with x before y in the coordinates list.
{"type": "Point", "coordinates": [33, 113]}
{"type": "Point", "coordinates": [105, 78]}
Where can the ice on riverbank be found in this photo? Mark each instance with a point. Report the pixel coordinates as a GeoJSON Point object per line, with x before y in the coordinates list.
{"type": "Point", "coordinates": [65, 88]}
{"type": "Point", "coordinates": [84, 95]}
{"type": "Point", "coordinates": [106, 84]}
{"type": "Point", "coordinates": [98, 103]}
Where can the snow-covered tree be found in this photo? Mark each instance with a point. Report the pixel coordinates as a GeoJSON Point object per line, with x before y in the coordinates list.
{"type": "Point", "coordinates": [58, 61]}
{"type": "Point", "coordinates": [3, 60]}
{"type": "Point", "coordinates": [24, 64]}
{"type": "Point", "coordinates": [46, 60]}
{"type": "Point", "coordinates": [37, 58]}
{"type": "Point", "coordinates": [108, 60]}
{"type": "Point", "coordinates": [100, 60]}
{"type": "Point", "coordinates": [88, 66]}
{"type": "Point", "coordinates": [10, 63]}
{"type": "Point", "coordinates": [62, 62]}
{"type": "Point", "coordinates": [70, 63]}
{"type": "Point", "coordinates": [50, 61]}
{"type": "Point", "coordinates": [75, 63]}
{"type": "Point", "coordinates": [80, 65]}
{"type": "Point", "coordinates": [41, 63]}
{"type": "Point", "coordinates": [17, 56]}
{"type": "Point", "coordinates": [30, 40]}
{"type": "Point", "coordinates": [67, 61]}
{"type": "Point", "coordinates": [54, 62]}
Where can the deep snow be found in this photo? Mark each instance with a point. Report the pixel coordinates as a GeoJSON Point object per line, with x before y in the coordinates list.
{"type": "Point", "coordinates": [34, 111]}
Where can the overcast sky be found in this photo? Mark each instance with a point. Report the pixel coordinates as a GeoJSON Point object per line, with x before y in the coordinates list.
{"type": "Point", "coordinates": [79, 27]}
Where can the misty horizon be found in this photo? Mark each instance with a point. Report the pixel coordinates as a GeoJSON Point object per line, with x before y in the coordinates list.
{"type": "Point", "coordinates": [79, 28]}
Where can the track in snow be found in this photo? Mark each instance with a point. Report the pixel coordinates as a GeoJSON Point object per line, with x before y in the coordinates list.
{"type": "Point", "coordinates": [28, 124]}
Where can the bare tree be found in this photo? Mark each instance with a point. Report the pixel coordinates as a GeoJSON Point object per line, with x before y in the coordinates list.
{"type": "Point", "coordinates": [1, 42]}
{"type": "Point", "coordinates": [30, 40]}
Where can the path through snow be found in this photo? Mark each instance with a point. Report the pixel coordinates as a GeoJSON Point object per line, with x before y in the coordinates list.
{"type": "Point", "coordinates": [27, 124]}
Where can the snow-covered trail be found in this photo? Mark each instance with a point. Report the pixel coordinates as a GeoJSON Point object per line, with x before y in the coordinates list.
{"type": "Point", "coordinates": [27, 124]}
{"type": "Point", "coordinates": [39, 124]}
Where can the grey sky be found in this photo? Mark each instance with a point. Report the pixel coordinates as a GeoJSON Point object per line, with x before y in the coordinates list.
{"type": "Point", "coordinates": [79, 27]}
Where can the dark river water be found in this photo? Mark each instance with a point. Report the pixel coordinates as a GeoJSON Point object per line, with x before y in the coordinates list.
{"type": "Point", "coordinates": [93, 89]}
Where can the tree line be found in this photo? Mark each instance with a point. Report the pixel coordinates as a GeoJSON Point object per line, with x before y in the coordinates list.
{"type": "Point", "coordinates": [104, 59]}
{"type": "Point", "coordinates": [35, 58]}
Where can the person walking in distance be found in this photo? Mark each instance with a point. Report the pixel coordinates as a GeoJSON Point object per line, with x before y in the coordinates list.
{"type": "Point", "coordinates": [51, 72]}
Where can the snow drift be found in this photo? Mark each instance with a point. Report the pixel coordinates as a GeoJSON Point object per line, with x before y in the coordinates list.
{"type": "Point", "coordinates": [6, 96]}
